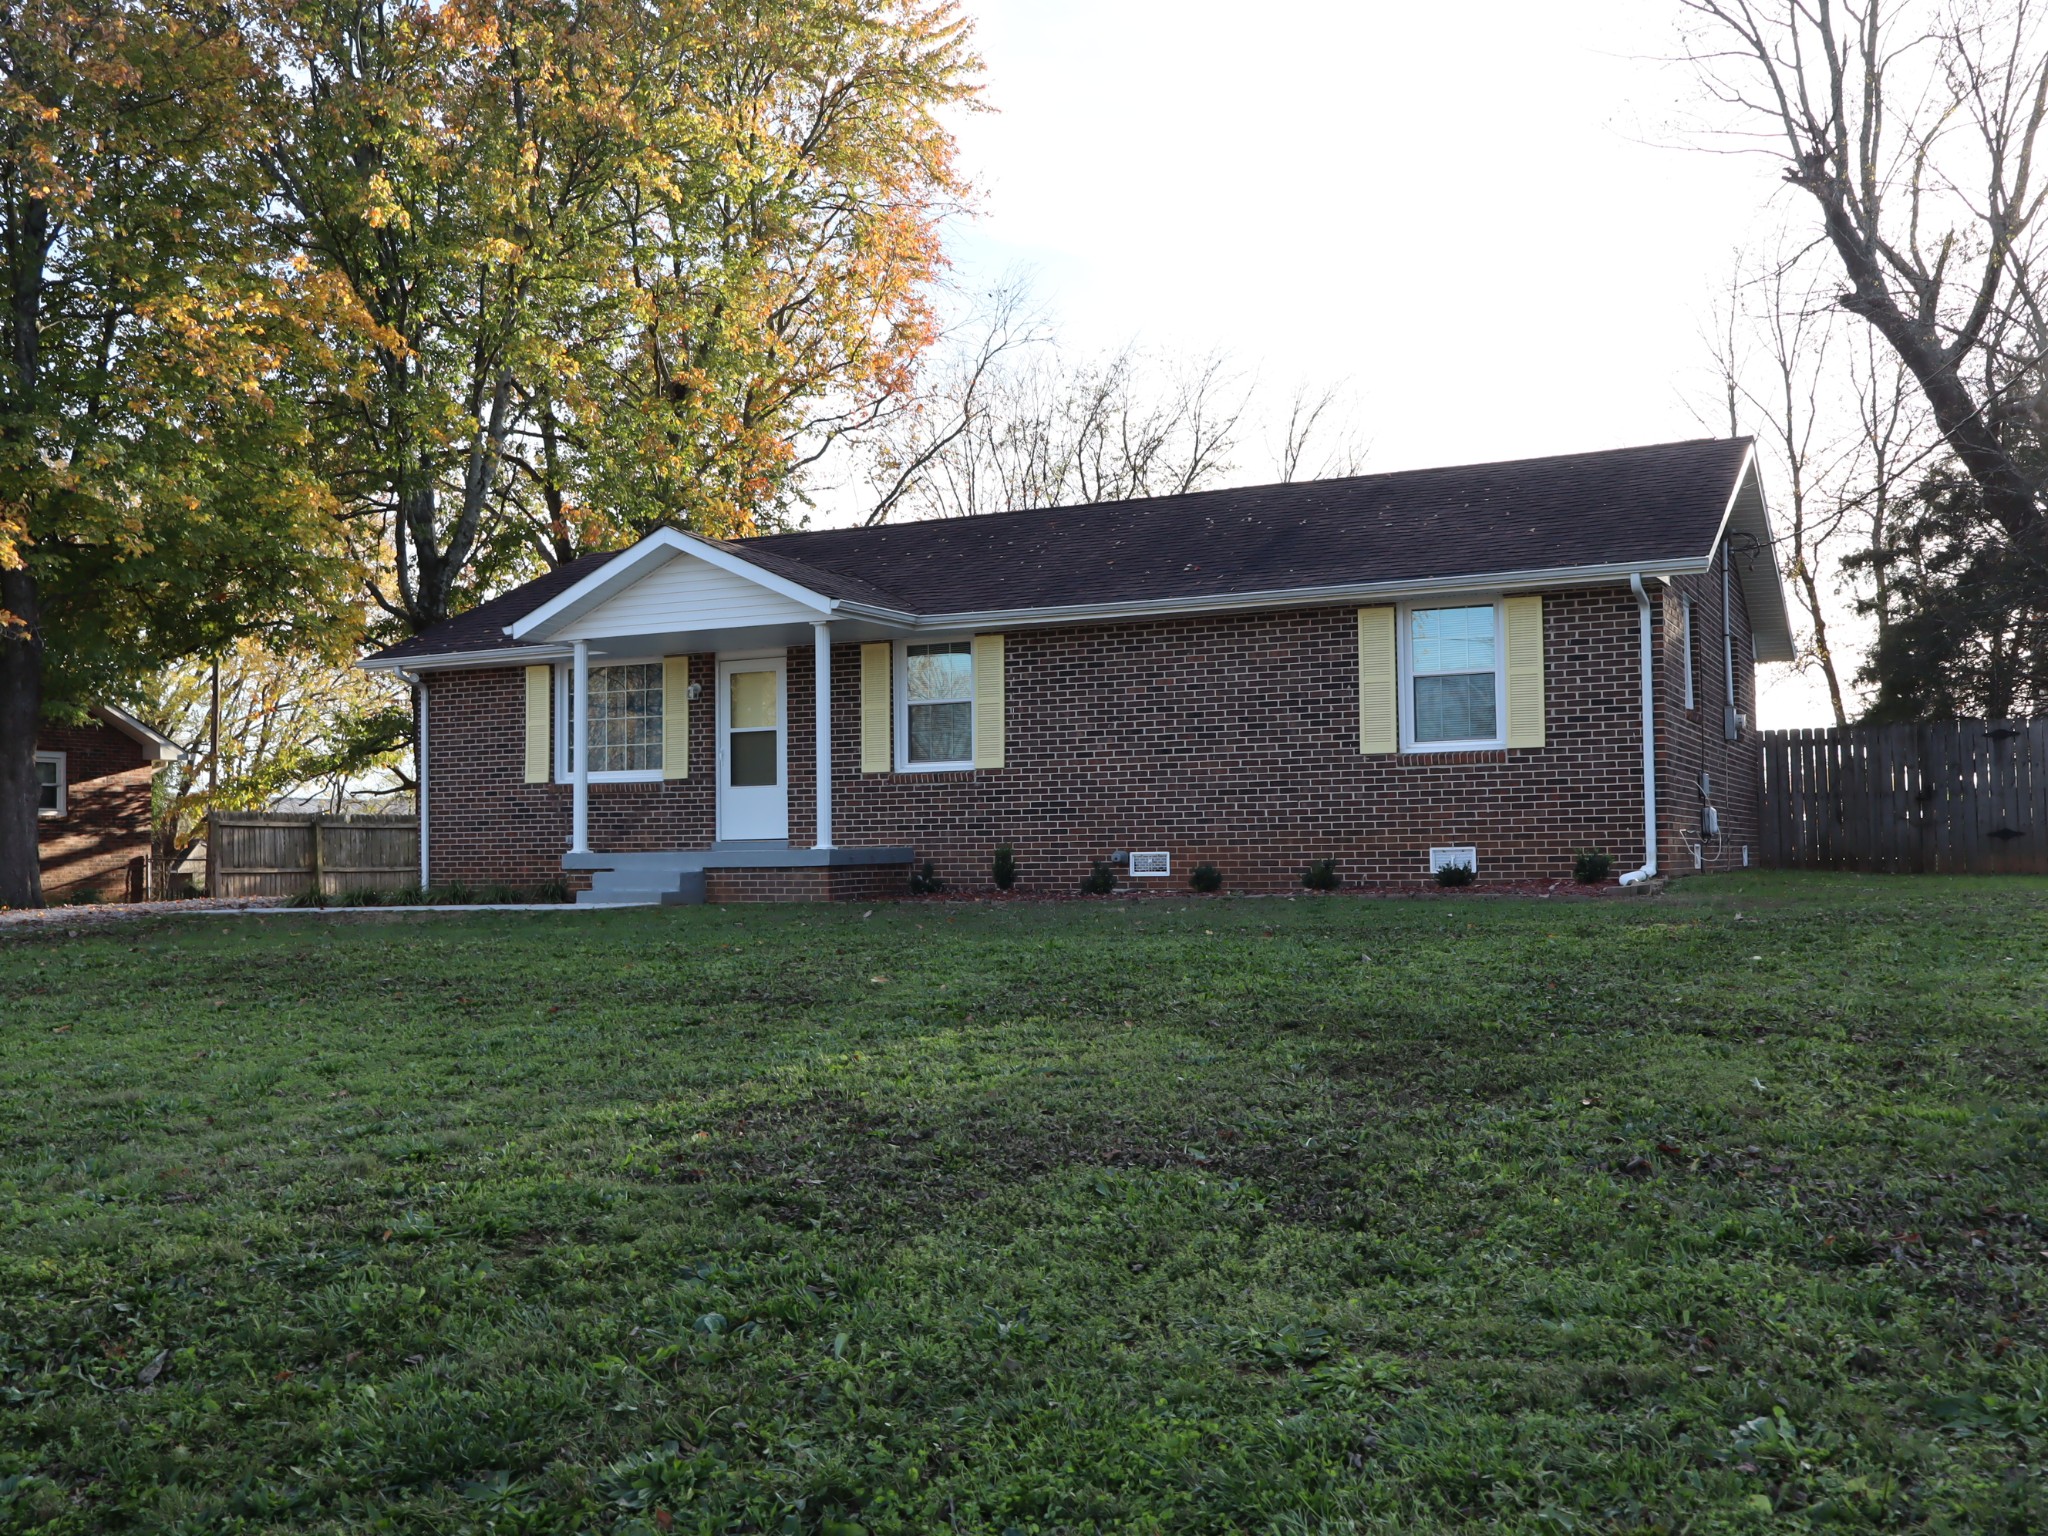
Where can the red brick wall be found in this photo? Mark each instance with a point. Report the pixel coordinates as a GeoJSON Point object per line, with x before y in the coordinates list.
{"type": "Point", "coordinates": [100, 841]}
{"type": "Point", "coordinates": [1228, 739]}
{"type": "Point", "coordinates": [853, 883]}
{"type": "Point", "coordinates": [1694, 741]}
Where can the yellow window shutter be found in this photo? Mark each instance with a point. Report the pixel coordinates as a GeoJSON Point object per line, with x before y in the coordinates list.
{"type": "Point", "coordinates": [675, 717]}
{"type": "Point", "coordinates": [1378, 683]}
{"type": "Point", "coordinates": [988, 701]}
{"type": "Point", "coordinates": [1524, 626]}
{"type": "Point", "coordinates": [540, 691]}
{"type": "Point", "coordinates": [876, 708]}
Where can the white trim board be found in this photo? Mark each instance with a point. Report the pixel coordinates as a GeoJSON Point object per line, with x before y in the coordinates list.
{"type": "Point", "coordinates": [877, 623]}
{"type": "Point", "coordinates": [552, 619]}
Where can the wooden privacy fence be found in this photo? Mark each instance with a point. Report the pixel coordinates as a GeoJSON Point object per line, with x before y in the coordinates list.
{"type": "Point", "coordinates": [273, 854]}
{"type": "Point", "coordinates": [1964, 797]}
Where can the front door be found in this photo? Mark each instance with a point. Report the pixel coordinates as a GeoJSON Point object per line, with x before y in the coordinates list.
{"type": "Point", "coordinates": [753, 767]}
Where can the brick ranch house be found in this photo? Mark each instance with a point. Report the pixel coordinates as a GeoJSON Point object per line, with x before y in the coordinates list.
{"type": "Point", "coordinates": [93, 784]}
{"type": "Point", "coordinates": [1500, 663]}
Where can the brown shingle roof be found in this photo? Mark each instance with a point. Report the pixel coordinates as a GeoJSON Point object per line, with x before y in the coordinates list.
{"type": "Point", "coordinates": [1622, 507]}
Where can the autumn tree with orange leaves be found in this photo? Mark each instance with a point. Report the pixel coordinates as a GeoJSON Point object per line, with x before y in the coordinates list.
{"type": "Point", "coordinates": [156, 495]}
{"type": "Point", "coordinates": [618, 264]}
{"type": "Point", "coordinates": [326, 310]}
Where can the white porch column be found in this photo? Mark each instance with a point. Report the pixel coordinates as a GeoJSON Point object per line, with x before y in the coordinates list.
{"type": "Point", "coordinates": [821, 645]}
{"type": "Point", "coordinates": [426, 865]}
{"type": "Point", "coordinates": [579, 748]}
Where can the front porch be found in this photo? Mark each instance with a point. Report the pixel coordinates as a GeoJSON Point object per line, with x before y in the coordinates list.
{"type": "Point", "coordinates": [684, 701]}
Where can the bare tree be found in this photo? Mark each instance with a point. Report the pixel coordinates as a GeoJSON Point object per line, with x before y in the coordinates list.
{"type": "Point", "coordinates": [1894, 446]}
{"type": "Point", "coordinates": [956, 401]}
{"type": "Point", "coordinates": [1912, 125]}
{"type": "Point", "coordinates": [1311, 410]}
{"type": "Point", "coordinates": [1016, 423]}
{"type": "Point", "coordinates": [1771, 344]}
{"type": "Point", "coordinates": [1007, 419]}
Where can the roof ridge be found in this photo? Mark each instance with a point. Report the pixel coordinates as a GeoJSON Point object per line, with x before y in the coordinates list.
{"type": "Point", "coordinates": [738, 546]}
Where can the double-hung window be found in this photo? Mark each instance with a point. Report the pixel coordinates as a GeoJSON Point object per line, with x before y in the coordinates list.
{"type": "Point", "coordinates": [1453, 679]}
{"type": "Point", "coordinates": [935, 704]}
{"type": "Point", "coordinates": [625, 721]}
{"type": "Point", "coordinates": [51, 788]}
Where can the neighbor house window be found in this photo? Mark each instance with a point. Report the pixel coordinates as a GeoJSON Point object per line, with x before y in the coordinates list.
{"type": "Point", "coordinates": [1453, 684]}
{"type": "Point", "coordinates": [625, 721]}
{"type": "Point", "coordinates": [937, 723]}
{"type": "Point", "coordinates": [50, 785]}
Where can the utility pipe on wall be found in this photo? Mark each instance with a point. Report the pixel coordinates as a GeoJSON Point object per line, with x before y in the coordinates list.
{"type": "Point", "coordinates": [1635, 583]}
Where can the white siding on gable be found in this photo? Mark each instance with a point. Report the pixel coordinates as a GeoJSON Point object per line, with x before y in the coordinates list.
{"type": "Point", "coordinates": [685, 594]}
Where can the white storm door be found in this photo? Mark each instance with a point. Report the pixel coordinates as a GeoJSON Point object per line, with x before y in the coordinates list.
{"type": "Point", "coordinates": [753, 756]}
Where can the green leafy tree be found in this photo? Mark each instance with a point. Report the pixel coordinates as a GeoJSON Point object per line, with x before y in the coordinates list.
{"type": "Point", "coordinates": [616, 262]}
{"type": "Point", "coordinates": [1967, 630]}
{"type": "Point", "coordinates": [155, 499]}
{"type": "Point", "coordinates": [290, 723]}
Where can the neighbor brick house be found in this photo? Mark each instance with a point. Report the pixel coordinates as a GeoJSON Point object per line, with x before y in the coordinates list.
{"type": "Point", "coordinates": [1498, 663]}
{"type": "Point", "coordinates": [92, 809]}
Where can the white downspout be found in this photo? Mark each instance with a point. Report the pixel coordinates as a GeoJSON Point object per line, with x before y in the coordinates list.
{"type": "Point", "coordinates": [419, 688]}
{"type": "Point", "coordinates": [1649, 869]}
{"type": "Point", "coordinates": [579, 744]}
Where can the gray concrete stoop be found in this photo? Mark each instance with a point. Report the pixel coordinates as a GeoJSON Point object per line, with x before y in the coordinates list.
{"type": "Point", "coordinates": [676, 877]}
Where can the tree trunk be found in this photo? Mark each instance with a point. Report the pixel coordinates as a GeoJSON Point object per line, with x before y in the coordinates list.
{"type": "Point", "coordinates": [2007, 493]}
{"type": "Point", "coordinates": [21, 707]}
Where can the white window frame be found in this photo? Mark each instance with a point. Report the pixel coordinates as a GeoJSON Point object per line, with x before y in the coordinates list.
{"type": "Point", "coordinates": [1685, 618]}
{"type": "Point", "coordinates": [63, 786]}
{"type": "Point", "coordinates": [902, 670]}
{"type": "Point", "coordinates": [1406, 710]}
{"type": "Point", "coordinates": [565, 771]}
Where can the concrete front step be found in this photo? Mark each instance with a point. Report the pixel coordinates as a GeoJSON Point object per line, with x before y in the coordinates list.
{"type": "Point", "coordinates": [644, 888]}
{"type": "Point", "coordinates": [678, 877]}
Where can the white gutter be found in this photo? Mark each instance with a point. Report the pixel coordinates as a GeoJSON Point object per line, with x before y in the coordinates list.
{"type": "Point", "coordinates": [419, 689]}
{"type": "Point", "coordinates": [448, 661]}
{"type": "Point", "coordinates": [1552, 577]}
{"type": "Point", "coordinates": [1649, 868]}
{"type": "Point", "coordinates": [1286, 597]}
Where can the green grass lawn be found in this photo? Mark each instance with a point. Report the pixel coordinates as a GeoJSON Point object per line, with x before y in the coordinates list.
{"type": "Point", "coordinates": [1719, 1211]}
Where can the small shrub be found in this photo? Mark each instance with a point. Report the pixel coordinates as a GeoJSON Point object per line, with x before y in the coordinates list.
{"type": "Point", "coordinates": [455, 895]}
{"type": "Point", "coordinates": [85, 898]}
{"type": "Point", "coordinates": [1005, 867]}
{"type": "Point", "coordinates": [925, 881]}
{"type": "Point", "coordinates": [499, 896]}
{"type": "Point", "coordinates": [1322, 875]}
{"type": "Point", "coordinates": [1207, 878]}
{"type": "Point", "coordinates": [1100, 879]}
{"type": "Point", "coordinates": [1454, 875]}
{"type": "Point", "coordinates": [313, 898]}
{"type": "Point", "coordinates": [363, 897]}
{"type": "Point", "coordinates": [555, 888]}
{"type": "Point", "coordinates": [1590, 866]}
{"type": "Point", "coordinates": [408, 896]}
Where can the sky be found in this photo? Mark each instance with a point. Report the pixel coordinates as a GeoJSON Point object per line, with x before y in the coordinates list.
{"type": "Point", "coordinates": [1484, 218]}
